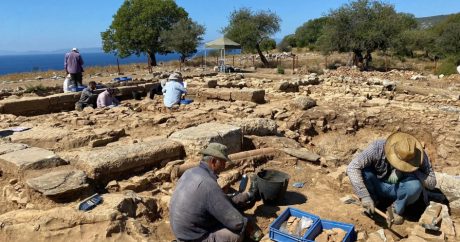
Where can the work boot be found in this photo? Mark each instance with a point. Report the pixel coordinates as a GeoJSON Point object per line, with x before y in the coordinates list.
{"type": "Point", "coordinates": [397, 219]}
{"type": "Point", "coordinates": [254, 188]}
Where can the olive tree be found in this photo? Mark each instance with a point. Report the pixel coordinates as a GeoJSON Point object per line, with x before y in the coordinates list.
{"type": "Point", "coordinates": [308, 34]}
{"type": "Point", "coordinates": [362, 27]}
{"type": "Point", "coordinates": [137, 25]}
{"type": "Point", "coordinates": [250, 28]}
{"type": "Point", "coordinates": [183, 38]}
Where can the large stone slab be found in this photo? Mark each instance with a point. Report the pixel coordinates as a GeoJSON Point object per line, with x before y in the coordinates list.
{"type": "Point", "coordinates": [111, 162]}
{"type": "Point", "coordinates": [59, 139]}
{"type": "Point", "coordinates": [196, 138]}
{"type": "Point", "coordinates": [249, 94]}
{"type": "Point", "coordinates": [59, 183]}
{"type": "Point", "coordinates": [10, 147]}
{"type": "Point", "coordinates": [29, 159]}
{"type": "Point", "coordinates": [25, 106]}
{"type": "Point", "coordinates": [450, 186]}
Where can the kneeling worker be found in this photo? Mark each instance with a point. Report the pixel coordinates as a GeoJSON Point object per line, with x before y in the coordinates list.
{"type": "Point", "coordinates": [107, 98]}
{"type": "Point", "coordinates": [396, 169]}
{"type": "Point", "coordinates": [200, 210]}
{"type": "Point", "coordinates": [173, 90]}
{"type": "Point", "coordinates": [88, 97]}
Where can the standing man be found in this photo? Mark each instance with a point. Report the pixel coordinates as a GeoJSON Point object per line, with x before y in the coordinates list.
{"type": "Point", "coordinates": [200, 210]}
{"type": "Point", "coordinates": [396, 169]}
{"type": "Point", "coordinates": [173, 90]}
{"type": "Point", "coordinates": [73, 65]}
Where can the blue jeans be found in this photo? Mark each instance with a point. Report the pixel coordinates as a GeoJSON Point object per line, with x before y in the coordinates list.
{"type": "Point", "coordinates": [405, 192]}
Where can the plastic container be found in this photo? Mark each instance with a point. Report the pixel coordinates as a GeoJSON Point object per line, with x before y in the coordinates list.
{"type": "Point", "coordinates": [186, 101]}
{"type": "Point", "coordinates": [272, 185]}
{"type": "Point", "coordinates": [327, 224]}
{"type": "Point", "coordinates": [77, 89]}
{"type": "Point", "coordinates": [277, 235]}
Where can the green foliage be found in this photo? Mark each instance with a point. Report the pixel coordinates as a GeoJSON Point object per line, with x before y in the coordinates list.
{"type": "Point", "coordinates": [267, 44]}
{"type": "Point", "coordinates": [409, 41]}
{"type": "Point", "coordinates": [307, 34]}
{"type": "Point", "coordinates": [363, 26]}
{"type": "Point", "coordinates": [280, 70]}
{"type": "Point", "coordinates": [448, 66]}
{"type": "Point", "coordinates": [250, 28]}
{"type": "Point", "coordinates": [137, 25]}
{"type": "Point", "coordinates": [184, 37]}
{"type": "Point", "coordinates": [287, 43]}
{"type": "Point", "coordinates": [449, 41]}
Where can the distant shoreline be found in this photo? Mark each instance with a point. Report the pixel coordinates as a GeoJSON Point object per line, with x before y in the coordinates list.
{"type": "Point", "coordinates": [15, 64]}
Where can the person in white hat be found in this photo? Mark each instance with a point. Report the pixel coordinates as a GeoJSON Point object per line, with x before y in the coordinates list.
{"type": "Point", "coordinates": [396, 169]}
{"type": "Point", "coordinates": [173, 90]}
{"type": "Point", "coordinates": [200, 210]}
{"type": "Point", "coordinates": [73, 65]}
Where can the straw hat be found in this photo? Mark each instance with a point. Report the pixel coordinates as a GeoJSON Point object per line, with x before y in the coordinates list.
{"type": "Point", "coordinates": [404, 152]}
{"type": "Point", "coordinates": [175, 76]}
{"type": "Point", "coordinates": [216, 150]}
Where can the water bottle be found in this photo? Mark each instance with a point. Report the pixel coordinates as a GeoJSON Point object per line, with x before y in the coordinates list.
{"type": "Point", "coordinates": [243, 183]}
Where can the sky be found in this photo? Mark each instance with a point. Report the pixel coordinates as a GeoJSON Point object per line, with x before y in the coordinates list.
{"type": "Point", "coordinates": [48, 25]}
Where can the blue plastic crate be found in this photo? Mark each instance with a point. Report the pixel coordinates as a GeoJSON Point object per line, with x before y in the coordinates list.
{"type": "Point", "coordinates": [277, 235]}
{"type": "Point", "coordinates": [326, 224]}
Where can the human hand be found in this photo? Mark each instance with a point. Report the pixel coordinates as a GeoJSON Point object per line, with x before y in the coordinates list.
{"type": "Point", "coordinates": [368, 205]}
{"type": "Point", "coordinates": [394, 176]}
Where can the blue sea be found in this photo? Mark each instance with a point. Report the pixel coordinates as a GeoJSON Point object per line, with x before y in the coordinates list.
{"type": "Point", "coordinates": [43, 62]}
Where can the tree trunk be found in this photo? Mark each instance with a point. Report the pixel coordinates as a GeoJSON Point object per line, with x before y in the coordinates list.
{"type": "Point", "coordinates": [152, 59]}
{"type": "Point", "coordinates": [182, 58]}
{"type": "Point", "coordinates": [262, 57]}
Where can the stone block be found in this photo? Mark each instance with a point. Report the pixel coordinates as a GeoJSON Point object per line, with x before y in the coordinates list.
{"type": "Point", "coordinates": [26, 106]}
{"type": "Point", "coordinates": [112, 162]}
{"type": "Point", "coordinates": [127, 90]}
{"type": "Point", "coordinates": [303, 103]}
{"type": "Point", "coordinates": [249, 94]}
{"type": "Point", "coordinates": [11, 147]}
{"type": "Point", "coordinates": [449, 186]}
{"type": "Point", "coordinates": [43, 137]}
{"type": "Point", "coordinates": [257, 126]}
{"type": "Point", "coordinates": [59, 183]}
{"type": "Point", "coordinates": [196, 138]}
{"type": "Point", "coordinates": [29, 159]}
{"type": "Point", "coordinates": [213, 93]}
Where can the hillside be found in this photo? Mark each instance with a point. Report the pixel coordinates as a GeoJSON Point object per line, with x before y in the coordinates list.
{"type": "Point", "coordinates": [427, 22]}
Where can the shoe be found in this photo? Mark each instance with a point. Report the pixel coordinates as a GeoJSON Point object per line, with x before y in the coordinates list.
{"type": "Point", "coordinates": [397, 219]}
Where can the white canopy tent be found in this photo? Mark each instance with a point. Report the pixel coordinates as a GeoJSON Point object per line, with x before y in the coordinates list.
{"type": "Point", "coordinates": [222, 44]}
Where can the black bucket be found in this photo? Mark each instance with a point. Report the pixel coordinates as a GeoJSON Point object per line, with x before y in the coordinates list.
{"type": "Point", "coordinates": [272, 185]}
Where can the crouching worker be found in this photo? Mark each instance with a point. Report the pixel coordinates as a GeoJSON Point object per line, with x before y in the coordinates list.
{"type": "Point", "coordinates": [173, 90]}
{"type": "Point", "coordinates": [396, 170]}
{"type": "Point", "coordinates": [88, 97]}
{"type": "Point", "coordinates": [200, 210]}
{"type": "Point", "coordinates": [107, 98]}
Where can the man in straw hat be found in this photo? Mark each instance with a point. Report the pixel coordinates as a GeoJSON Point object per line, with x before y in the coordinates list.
{"type": "Point", "coordinates": [395, 169]}
{"type": "Point", "coordinates": [200, 210]}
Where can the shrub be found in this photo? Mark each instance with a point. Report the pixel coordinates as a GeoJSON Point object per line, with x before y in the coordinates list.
{"type": "Point", "coordinates": [280, 70]}
{"type": "Point", "coordinates": [34, 89]}
{"type": "Point", "coordinates": [447, 66]}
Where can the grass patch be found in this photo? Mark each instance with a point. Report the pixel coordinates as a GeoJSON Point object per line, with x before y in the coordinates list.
{"type": "Point", "coordinates": [35, 88]}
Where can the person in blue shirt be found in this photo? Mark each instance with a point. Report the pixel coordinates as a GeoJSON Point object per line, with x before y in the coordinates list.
{"type": "Point", "coordinates": [173, 90]}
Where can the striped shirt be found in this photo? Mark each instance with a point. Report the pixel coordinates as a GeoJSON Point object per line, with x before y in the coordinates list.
{"type": "Point", "coordinates": [374, 157]}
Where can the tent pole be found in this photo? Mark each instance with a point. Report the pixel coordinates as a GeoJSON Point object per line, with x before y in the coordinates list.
{"type": "Point", "coordinates": [204, 58]}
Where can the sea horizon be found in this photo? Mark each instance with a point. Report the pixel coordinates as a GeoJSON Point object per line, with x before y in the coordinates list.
{"type": "Point", "coordinates": [11, 64]}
